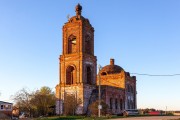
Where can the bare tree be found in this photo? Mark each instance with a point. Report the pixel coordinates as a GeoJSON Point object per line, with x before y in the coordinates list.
{"type": "Point", "coordinates": [70, 104]}
{"type": "Point", "coordinates": [22, 99]}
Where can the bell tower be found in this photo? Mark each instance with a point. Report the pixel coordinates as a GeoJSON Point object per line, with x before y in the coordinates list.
{"type": "Point", "coordinates": [78, 67]}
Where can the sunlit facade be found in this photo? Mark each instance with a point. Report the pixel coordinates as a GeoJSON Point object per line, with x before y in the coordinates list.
{"type": "Point", "coordinates": [78, 73]}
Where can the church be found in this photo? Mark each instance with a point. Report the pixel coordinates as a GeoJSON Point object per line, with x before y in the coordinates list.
{"type": "Point", "coordinates": [78, 77]}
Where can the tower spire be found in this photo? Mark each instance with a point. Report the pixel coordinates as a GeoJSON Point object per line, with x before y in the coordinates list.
{"type": "Point", "coordinates": [78, 9]}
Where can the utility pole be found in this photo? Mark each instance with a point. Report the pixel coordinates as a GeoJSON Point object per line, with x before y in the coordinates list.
{"type": "Point", "coordinates": [99, 106]}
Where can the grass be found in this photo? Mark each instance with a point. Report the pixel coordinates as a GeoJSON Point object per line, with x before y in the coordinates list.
{"type": "Point", "coordinates": [75, 118]}
{"type": "Point", "coordinates": [85, 117]}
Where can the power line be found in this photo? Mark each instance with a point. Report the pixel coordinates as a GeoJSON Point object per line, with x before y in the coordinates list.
{"type": "Point", "coordinates": [165, 75]}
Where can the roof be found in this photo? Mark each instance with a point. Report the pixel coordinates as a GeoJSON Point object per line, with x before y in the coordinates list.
{"type": "Point", "coordinates": [5, 102]}
{"type": "Point", "coordinates": [111, 69]}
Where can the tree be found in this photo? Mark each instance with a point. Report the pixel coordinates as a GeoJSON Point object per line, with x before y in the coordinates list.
{"type": "Point", "coordinates": [22, 99]}
{"type": "Point", "coordinates": [70, 104]}
{"type": "Point", "coordinates": [36, 103]}
{"type": "Point", "coordinates": [93, 108]}
{"type": "Point", "coordinates": [42, 101]}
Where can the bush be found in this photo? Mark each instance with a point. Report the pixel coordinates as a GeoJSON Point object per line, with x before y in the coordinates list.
{"type": "Point", "coordinates": [93, 108]}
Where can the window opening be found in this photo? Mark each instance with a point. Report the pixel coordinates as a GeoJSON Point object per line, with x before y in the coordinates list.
{"type": "Point", "coordinates": [70, 75]}
{"type": "Point", "coordinates": [89, 74]}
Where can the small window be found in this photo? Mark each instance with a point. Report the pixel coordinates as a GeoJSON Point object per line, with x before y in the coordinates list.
{"type": "Point", "coordinates": [9, 106]}
{"type": "Point", "coordinates": [103, 73]}
{"type": "Point", "coordinates": [2, 107]}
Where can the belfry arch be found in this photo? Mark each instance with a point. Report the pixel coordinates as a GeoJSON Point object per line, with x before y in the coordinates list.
{"type": "Point", "coordinates": [70, 75]}
{"type": "Point", "coordinates": [72, 44]}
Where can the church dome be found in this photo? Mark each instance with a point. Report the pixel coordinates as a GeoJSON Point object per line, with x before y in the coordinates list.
{"type": "Point", "coordinates": [78, 16]}
{"type": "Point", "coordinates": [111, 69]}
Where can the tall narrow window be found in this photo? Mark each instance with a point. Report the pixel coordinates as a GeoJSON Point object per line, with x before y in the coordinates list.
{"type": "Point", "coordinates": [132, 91]}
{"type": "Point", "coordinates": [129, 106]}
{"type": "Point", "coordinates": [72, 44]}
{"type": "Point", "coordinates": [70, 75]}
{"type": "Point", "coordinates": [88, 44]}
{"type": "Point", "coordinates": [128, 88]}
{"type": "Point", "coordinates": [121, 104]}
{"type": "Point", "coordinates": [88, 74]}
{"type": "Point", "coordinates": [110, 103]}
{"type": "Point", "coordinates": [116, 103]}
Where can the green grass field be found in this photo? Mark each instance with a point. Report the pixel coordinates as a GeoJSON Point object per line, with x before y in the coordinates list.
{"type": "Point", "coordinates": [74, 118]}
{"type": "Point", "coordinates": [82, 118]}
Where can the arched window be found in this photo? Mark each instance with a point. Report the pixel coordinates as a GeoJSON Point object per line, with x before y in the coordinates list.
{"type": "Point", "coordinates": [89, 74]}
{"type": "Point", "coordinates": [88, 44]}
{"type": "Point", "coordinates": [103, 73]}
{"type": "Point", "coordinates": [70, 75]}
{"type": "Point", "coordinates": [72, 44]}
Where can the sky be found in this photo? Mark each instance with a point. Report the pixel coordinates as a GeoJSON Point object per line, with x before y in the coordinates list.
{"type": "Point", "coordinates": [143, 36]}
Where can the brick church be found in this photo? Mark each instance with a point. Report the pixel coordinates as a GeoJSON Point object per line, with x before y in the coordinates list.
{"type": "Point", "coordinates": [79, 80]}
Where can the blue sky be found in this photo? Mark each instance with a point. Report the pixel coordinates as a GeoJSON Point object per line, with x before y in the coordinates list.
{"type": "Point", "coordinates": [143, 36]}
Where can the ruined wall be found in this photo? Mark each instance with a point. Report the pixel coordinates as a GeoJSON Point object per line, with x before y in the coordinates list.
{"type": "Point", "coordinates": [82, 95]}
{"type": "Point", "coordinates": [115, 94]}
{"type": "Point", "coordinates": [115, 80]}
